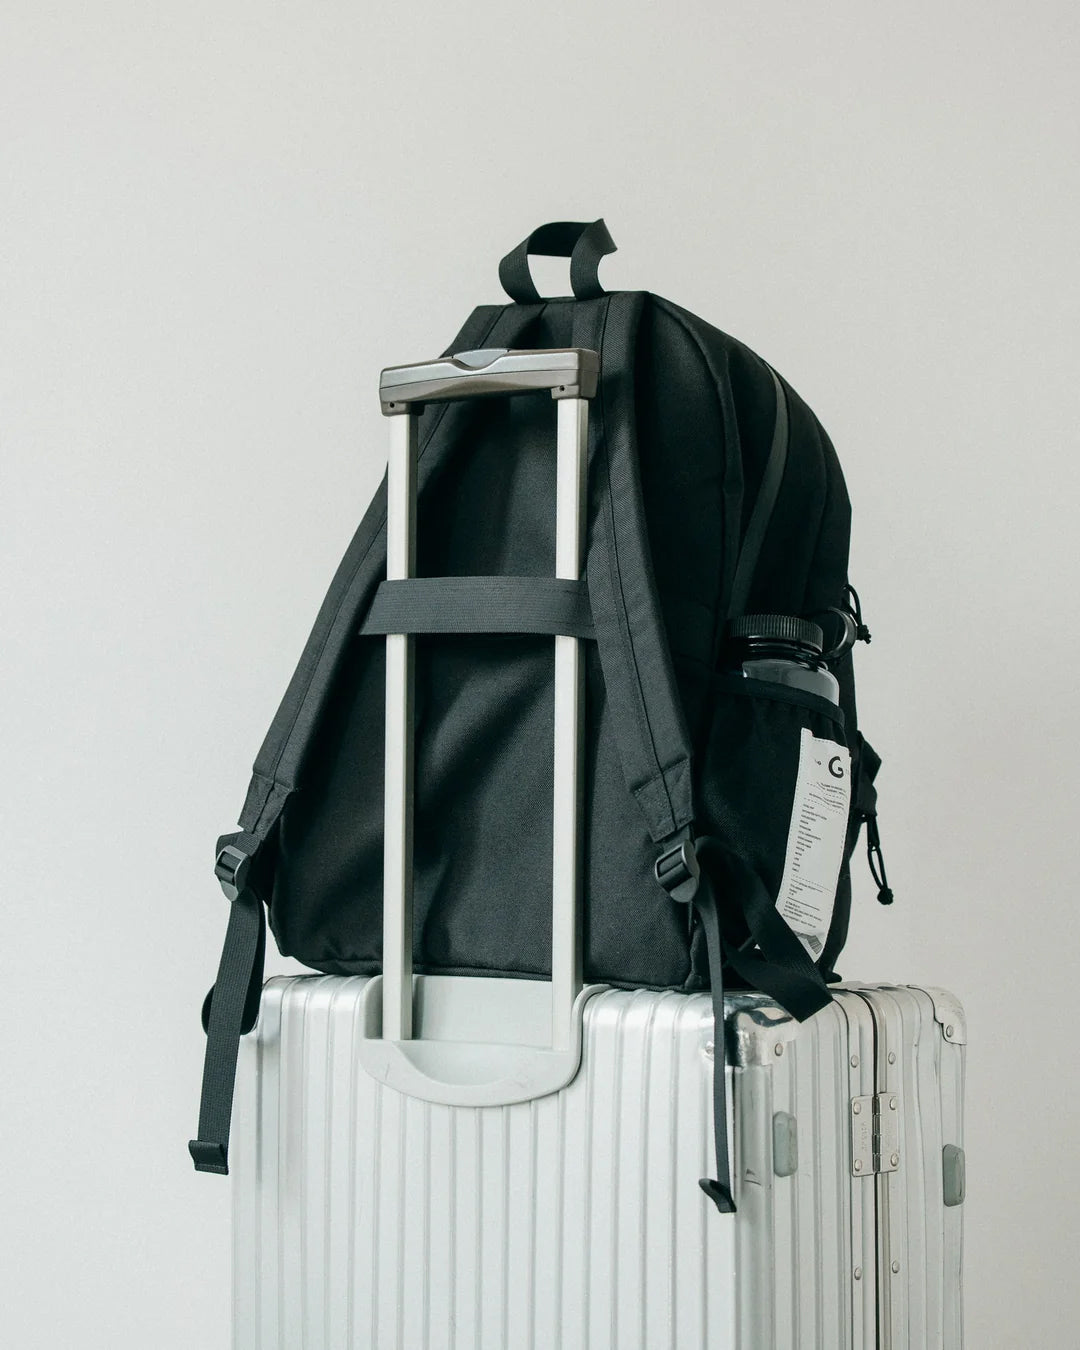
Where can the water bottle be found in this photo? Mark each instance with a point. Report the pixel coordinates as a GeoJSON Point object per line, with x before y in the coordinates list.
{"type": "Point", "coordinates": [784, 650]}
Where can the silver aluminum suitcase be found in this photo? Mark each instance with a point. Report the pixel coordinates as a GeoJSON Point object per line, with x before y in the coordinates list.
{"type": "Point", "coordinates": [364, 1217]}
{"type": "Point", "coordinates": [424, 1162]}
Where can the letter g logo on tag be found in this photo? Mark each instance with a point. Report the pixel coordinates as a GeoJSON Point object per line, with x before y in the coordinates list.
{"type": "Point", "coordinates": [836, 766]}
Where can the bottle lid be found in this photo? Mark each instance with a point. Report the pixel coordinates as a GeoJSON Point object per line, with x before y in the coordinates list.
{"type": "Point", "coordinates": [777, 628]}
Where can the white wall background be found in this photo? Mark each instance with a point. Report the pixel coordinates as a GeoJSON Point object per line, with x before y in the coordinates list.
{"type": "Point", "coordinates": [218, 221]}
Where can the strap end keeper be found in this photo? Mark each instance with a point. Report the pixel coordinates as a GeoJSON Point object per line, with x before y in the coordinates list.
{"type": "Point", "coordinates": [209, 1156]}
{"type": "Point", "coordinates": [719, 1195]}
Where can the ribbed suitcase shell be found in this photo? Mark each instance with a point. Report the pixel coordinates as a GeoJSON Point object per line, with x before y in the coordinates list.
{"type": "Point", "coordinates": [364, 1218]}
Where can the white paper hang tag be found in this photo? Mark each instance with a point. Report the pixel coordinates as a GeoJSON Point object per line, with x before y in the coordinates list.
{"type": "Point", "coordinates": [815, 848]}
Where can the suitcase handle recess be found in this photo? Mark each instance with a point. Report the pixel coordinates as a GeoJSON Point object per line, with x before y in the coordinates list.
{"type": "Point", "coordinates": [450, 1069]}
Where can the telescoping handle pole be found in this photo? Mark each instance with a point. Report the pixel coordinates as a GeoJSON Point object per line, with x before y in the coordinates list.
{"type": "Point", "coordinates": [570, 375]}
{"type": "Point", "coordinates": [400, 756]}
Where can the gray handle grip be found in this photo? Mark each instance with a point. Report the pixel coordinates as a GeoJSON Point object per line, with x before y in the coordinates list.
{"type": "Point", "coordinates": [568, 372]}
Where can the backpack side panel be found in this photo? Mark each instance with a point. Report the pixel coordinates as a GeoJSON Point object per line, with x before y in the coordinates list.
{"type": "Point", "coordinates": [802, 569]}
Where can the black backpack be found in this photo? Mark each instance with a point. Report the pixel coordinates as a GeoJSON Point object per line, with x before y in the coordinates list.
{"type": "Point", "coordinates": [713, 493]}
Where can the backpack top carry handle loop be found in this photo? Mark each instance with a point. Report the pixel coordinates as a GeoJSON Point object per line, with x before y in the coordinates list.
{"type": "Point", "coordinates": [569, 372]}
{"type": "Point", "coordinates": [584, 243]}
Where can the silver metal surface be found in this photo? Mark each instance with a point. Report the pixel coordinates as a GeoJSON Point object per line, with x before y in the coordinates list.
{"type": "Point", "coordinates": [366, 1218]}
{"type": "Point", "coordinates": [875, 1134]}
{"type": "Point", "coordinates": [862, 1136]}
{"type": "Point", "coordinates": [572, 453]}
{"type": "Point", "coordinates": [862, 1210]}
{"type": "Point", "coordinates": [885, 1071]}
{"type": "Point", "coordinates": [921, 1302]}
{"type": "Point", "coordinates": [785, 1144]}
{"type": "Point", "coordinates": [953, 1172]}
{"type": "Point", "coordinates": [949, 1014]}
{"type": "Point", "coordinates": [369, 1220]}
{"type": "Point", "coordinates": [759, 1031]}
{"type": "Point", "coordinates": [886, 1132]}
{"type": "Point", "coordinates": [400, 757]}
{"type": "Point", "coordinates": [801, 1231]}
{"type": "Point", "coordinates": [568, 372]}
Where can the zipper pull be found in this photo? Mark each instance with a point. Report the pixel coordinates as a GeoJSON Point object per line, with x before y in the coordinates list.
{"type": "Point", "coordinates": [876, 861]}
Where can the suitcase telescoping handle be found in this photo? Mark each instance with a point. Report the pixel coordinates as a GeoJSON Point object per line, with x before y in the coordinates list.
{"type": "Point", "coordinates": [570, 373]}
{"type": "Point", "coordinates": [478, 1072]}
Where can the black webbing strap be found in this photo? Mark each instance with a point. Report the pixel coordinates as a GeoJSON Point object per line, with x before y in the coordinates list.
{"type": "Point", "coordinates": [781, 967]}
{"type": "Point", "coordinates": [232, 1006]}
{"type": "Point", "coordinates": [583, 242]}
{"type": "Point", "coordinates": [680, 874]}
{"type": "Point", "coordinates": [718, 1188]}
{"type": "Point", "coordinates": [691, 872]}
{"type": "Point", "coordinates": [499, 604]}
{"type": "Point", "coordinates": [764, 505]}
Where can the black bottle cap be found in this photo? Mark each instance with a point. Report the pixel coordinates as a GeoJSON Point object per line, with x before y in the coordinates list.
{"type": "Point", "coordinates": [777, 628]}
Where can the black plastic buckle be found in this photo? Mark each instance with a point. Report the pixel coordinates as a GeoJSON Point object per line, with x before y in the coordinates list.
{"type": "Point", "coordinates": [231, 868]}
{"type": "Point", "coordinates": [679, 871]}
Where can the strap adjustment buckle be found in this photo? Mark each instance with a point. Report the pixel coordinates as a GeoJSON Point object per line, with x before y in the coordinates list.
{"type": "Point", "coordinates": [231, 867]}
{"type": "Point", "coordinates": [678, 871]}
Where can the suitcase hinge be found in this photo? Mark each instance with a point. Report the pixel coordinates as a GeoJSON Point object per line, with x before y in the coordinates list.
{"type": "Point", "coordinates": [875, 1134]}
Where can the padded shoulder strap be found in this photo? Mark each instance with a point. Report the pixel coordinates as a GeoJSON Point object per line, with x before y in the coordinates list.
{"type": "Point", "coordinates": [643, 697]}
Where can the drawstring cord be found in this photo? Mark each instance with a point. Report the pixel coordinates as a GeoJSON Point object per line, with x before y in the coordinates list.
{"type": "Point", "coordinates": [876, 860]}
{"type": "Point", "coordinates": [854, 606]}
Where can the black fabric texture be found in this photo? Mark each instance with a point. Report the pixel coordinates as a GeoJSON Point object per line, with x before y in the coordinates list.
{"type": "Point", "coordinates": [484, 722]}
{"type": "Point", "coordinates": [763, 952]}
{"type": "Point", "coordinates": [765, 500]}
{"type": "Point", "coordinates": [481, 605]}
{"type": "Point", "coordinates": [748, 774]}
{"type": "Point", "coordinates": [646, 710]}
{"type": "Point", "coordinates": [278, 763]}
